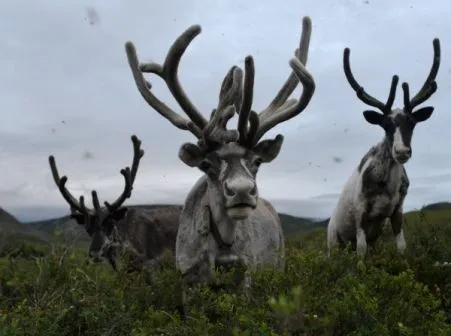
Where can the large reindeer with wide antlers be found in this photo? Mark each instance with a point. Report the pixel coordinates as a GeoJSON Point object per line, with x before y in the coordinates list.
{"type": "Point", "coordinates": [224, 221]}
{"type": "Point", "coordinates": [376, 190]}
{"type": "Point", "coordinates": [145, 232]}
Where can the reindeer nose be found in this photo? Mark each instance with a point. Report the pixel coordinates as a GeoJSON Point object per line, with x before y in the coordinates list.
{"type": "Point", "coordinates": [240, 188]}
{"type": "Point", "coordinates": [406, 151]}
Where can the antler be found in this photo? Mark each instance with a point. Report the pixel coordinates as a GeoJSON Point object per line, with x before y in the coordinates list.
{"type": "Point", "coordinates": [232, 93]}
{"type": "Point", "coordinates": [430, 85]}
{"type": "Point", "coordinates": [280, 109]}
{"type": "Point", "coordinates": [360, 91]}
{"type": "Point", "coordinates": [230, 100]}
{"type": "Point", "coordinates": [169, 73]}
{"type": "Point", "coordinates": [129, 177]}
{"type": "Point", "coordinates": [61, 184]}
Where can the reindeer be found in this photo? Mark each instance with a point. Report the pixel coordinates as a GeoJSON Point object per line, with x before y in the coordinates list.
{"type": "Point", "coordinates": [224, 221]}
{"type": "Point", "coordinates": [146, 233]}
{"type": "Point", "coordinates": [376, 190]}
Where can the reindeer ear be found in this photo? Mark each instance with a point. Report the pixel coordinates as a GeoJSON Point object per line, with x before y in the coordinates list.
{"type": "Point", "coordinates": [79, 218]}
{"type": "Point", "coordinates": [269, 149]}
{"type": "Point", "coordinates": [191, 154]}
{"type": "Point", "coordinates": [373, 117]}
{"type": "Point", "coordinates": [423, 113]}
{"type": "Point", "coordinates": [119, 213]}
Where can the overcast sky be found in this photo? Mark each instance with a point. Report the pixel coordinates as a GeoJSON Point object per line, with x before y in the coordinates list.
{"type": "Point", "coordinates": [66, 89]}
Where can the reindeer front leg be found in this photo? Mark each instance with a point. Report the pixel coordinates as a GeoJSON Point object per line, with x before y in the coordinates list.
{"type": "Point", "coordinates": [362, 245]}
{"type": "Point", "coordinates": [361, 225]}
{"type": "Point", "coordinates": [397, 220]}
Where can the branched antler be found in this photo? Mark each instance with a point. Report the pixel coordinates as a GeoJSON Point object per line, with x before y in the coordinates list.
{"type": "Point", "coordinates": [430, 85]}
{"type": "Point", "coordinates": [280, 109]}
{"type": "Point", "coordinates": [233, 93]}
{"type": "Point", "coordinates": [426, 91]}
{"type": "Point", "coordinates": [61, 184]}
{"type": "Point", "coordinates": [169, 73]}
{"type": "Point", "coordinates": [385, 108]}
{"type": "Point", "coordinates": [79, 206]}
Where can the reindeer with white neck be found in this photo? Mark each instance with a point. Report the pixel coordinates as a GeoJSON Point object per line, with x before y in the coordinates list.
{"type": "Point", "coordinates": [224, 221]}
{"type": "Point", "coordinates": [376, 190]}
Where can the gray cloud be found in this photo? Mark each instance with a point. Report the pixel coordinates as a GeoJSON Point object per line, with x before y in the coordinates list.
{"type": "Point", "coordinates": [66, 90]}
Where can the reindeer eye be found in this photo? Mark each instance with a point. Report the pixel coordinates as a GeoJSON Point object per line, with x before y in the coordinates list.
{"type": "Point", "coordinates": [258, 162]}
{"type": "Point", "coordinates": [205, 164]}
{"type": "Point", "coordinates": [209, 166]}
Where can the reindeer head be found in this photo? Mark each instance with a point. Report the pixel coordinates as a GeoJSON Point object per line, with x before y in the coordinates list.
{"type": "Point", "coordinates": [229, 158]}
{"type": "Point", "coordinates": [100, 222]}
{"type": "Point", "coordinates": [398, 123]}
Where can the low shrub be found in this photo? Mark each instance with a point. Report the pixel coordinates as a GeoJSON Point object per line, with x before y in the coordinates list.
{"type": "Point", "coordinates": [387, 294]}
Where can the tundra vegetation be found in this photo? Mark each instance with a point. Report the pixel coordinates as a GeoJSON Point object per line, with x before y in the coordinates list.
{"type": "Point", "coordinates": [51, 290]}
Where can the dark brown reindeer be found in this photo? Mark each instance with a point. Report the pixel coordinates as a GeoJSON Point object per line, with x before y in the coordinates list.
{"type": "Point", "coordinates": [144, 232]}
{"type": "Point", "coordinates": [376, 190]}
{"type": "Point", "coordinates": [224, 221]}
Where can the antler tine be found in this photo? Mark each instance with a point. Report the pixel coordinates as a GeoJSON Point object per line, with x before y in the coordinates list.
{"type": "Point", "coordinates": [169, 73]}
{"type": "Point", "coordinates": [61, 184]}
{"type": "Point", "coordinates": [85, 211]}
{"type": "Point", "coordinates": [280, 108]}
{"type": "Point", "coordinates": [95, 200]}
{"type": "Point", "coordinates": [144, 88]}
{"type": "Point", "coordinates": [254, 123]}
{"type": "Point", "coordinates": [430, 86]}
{"type": "Point", "coordinates": [230, 99]}
{"type": "Point", "coordinates": [290, 84]}
{"type": "Point", "coordinates": [82, 204]}
{"type": "Point", "coordinates": [406, 91]}
{"type": "Point", "coordinates": [138, 153]}
{"type": "Point", "coordinates": [125, 194]}
{"type": "Point", "coordinates": [231, 89]}
{"type": "Point", "coordinates": [248, 96]}
{"type": "Point", "coordinates": [392, 93]}
{"type": "Point", "coordinates": [360, 91]}
{"type": "Point", "coordinates": [291, 109]}
{"type": "Point", "coordinates": [216, 131]}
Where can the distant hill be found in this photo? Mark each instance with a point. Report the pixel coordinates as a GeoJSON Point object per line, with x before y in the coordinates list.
{"type": "Point", "coordinates": [73, 232]}
{"type": "Point", "coordinates": [438, 206]}
{"type": "Point", "coordinates": [11, 227]}
{"type": "Point", "coordinates": [292, 224]}
{"type": "Point", "coordinates": [70, 231]}
{"type": "Point", "coordinates": [9, 223]}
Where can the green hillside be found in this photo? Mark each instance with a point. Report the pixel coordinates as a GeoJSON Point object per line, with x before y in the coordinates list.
{"type": "Point", "coordinates": [293, 225]}
{"type": "Point", "coordinates": [9, 223]}
{"type": "Point", "coordinates": [386, 294]}
{"type": "Point", "coordinates": [72, 231]}
{"type": "Point", "coordinates": [12, 229]}
{"type": "Point", "coordinates": [438, 206]}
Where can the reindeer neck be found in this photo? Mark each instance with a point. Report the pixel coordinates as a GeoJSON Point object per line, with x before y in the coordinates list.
{"type": "Point", "coordinates": [383, 161]}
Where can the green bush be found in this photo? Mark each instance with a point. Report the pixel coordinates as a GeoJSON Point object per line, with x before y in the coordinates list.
{"type": "Point", "coordinates": [20, 245]}
{"type": "Point", "coordinates": [387, 294]}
